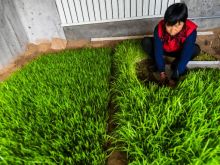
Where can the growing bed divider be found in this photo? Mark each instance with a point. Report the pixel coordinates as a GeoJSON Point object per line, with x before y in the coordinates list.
{"type": "Point", "coordinates": [159, 125]}
{"type": "Point", "coordinates": [54, 110]}
{"type": "Point", "coordinates": [203, 64]}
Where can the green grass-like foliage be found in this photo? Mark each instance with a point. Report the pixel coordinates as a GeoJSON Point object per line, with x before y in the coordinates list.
{"type": "Point", "coordinates": [53, 111]}
{"type": "Point", "coordinates": [204, 57]}
{"type": "Point", "coordinates": [159, 125]}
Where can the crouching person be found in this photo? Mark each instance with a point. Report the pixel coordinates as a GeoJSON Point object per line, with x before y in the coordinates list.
{"type": "Point", "coordinates": [174, 36]}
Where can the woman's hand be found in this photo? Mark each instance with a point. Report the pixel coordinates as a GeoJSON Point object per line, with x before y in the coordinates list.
{"type": "Point", "coordinates": [163, 78]}
{"type": "Point", "coordinates": [163, 75]}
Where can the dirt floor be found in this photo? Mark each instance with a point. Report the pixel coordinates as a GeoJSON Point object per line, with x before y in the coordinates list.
{"type": "Point", "coordinates": [211, 44]}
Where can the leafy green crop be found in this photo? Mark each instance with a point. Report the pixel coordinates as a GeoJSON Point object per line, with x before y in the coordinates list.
{"type": "Point", "coordinates": [204, 57]}
{"type": "Point", "coordinates": [54, 110]}
{"type": "Point", "coordinates": [159, 125]}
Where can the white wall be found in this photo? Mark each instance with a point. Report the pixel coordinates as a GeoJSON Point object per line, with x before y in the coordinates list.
{"type": "Point", "coordinates": [40, 19]}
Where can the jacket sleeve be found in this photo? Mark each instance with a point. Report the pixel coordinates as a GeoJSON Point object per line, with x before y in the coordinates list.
{"type": "Point", "coordinates": [186, 54]}
{"type": "Point", "coordinates": [158, 51]}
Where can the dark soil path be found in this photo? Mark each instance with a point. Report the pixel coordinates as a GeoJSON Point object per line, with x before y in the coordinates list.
{"type": "Point", "coordinates": [116, 157]}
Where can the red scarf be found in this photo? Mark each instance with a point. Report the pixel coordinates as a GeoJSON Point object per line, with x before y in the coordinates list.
{"type": "Point", "coordinates": [175, 43]}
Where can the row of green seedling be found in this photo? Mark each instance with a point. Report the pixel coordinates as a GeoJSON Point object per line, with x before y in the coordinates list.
{"type": "Point", "coordinates": [53, 111]}
{"type": "Point", "coordinates": [159, 125]}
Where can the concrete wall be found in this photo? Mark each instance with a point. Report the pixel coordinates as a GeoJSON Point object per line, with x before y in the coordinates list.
{"type": "Point", "coordinates": [204, 8]}
{"type": "Point", "coordinates": [40, 19]}
{"type": "Point", "coordinates": [13, 38]}
{"type": "Point", "coordinates": [110, 29]}
{"type": "Point", "coordinates": [26, 21]}
{"type": "Point", "coordinates": [197, 8]}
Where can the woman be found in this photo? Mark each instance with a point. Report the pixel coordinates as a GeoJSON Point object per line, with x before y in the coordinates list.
{"type": "Point", "coordinates": [174, 36]}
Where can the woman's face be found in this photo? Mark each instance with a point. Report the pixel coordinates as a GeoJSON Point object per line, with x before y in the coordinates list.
{"type": "Point", "coordinates": [175, 29]}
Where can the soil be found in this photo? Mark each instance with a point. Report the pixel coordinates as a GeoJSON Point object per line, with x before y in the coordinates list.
{"type": "Point", "coordinates": [145, 73]}
{"type": "Point", "coordinates": [116, 157]}
{"type": "Point", "coordinates": [18, 63]}
{"type": "Point", "coordinates": [210, 44]}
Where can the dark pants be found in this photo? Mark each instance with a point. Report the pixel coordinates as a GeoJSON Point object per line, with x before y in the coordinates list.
{"type": "Point", "coordinates": [148, 47]}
